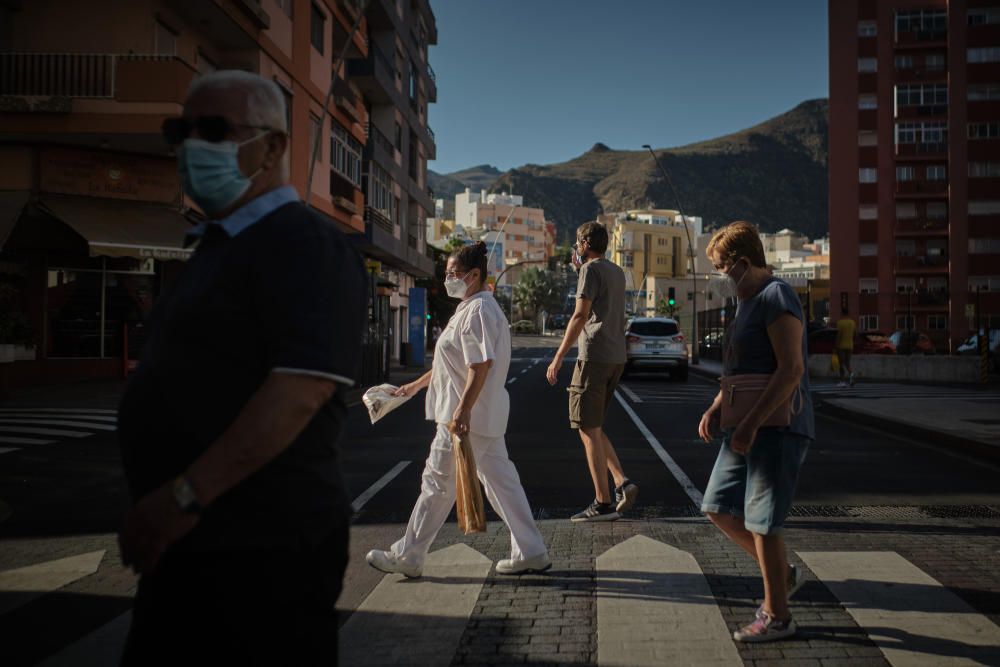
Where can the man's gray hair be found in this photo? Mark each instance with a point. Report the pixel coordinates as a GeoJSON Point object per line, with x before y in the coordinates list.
{"type": "Point", "coordinates": [265, 102]}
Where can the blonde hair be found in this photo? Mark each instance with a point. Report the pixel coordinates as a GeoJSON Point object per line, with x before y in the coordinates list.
{"type": "Point", "coordinates": [735, 240]}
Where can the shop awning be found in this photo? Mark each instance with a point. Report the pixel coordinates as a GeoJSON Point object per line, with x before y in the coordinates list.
{"type": "Point", "coordinates": [121, 228]}
{"type": "Point", "coordinates": [11, 204]}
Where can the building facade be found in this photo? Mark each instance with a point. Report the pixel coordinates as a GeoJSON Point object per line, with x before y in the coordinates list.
{"type": "Point", "coordinates": [648, 244]}
{"type": "Point", "coordinates": [915, 164]}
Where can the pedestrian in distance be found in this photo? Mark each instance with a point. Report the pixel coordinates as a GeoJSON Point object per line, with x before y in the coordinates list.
{"type": "Point", "coordinates": [750, 490]}
{"type": "Point", "coordinates": [239, 519]}
{"type": "Point", "coordinates": [467, 396]}
{"type": "Point", "coordinates": [597, 328]}
{"type": "Point", "coordinates": [846, 329]}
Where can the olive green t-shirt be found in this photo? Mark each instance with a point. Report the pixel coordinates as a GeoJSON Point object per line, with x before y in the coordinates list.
{"type": "Point", "coordinates": [603, 337]}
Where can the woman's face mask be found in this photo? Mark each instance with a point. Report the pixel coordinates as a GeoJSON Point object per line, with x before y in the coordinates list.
{"type": "Point", "coordinates": [210, 172]}
{"type": "Point", "coordinates": [731, 285]}
{"type": "Point", "coordinates": [456, 287]}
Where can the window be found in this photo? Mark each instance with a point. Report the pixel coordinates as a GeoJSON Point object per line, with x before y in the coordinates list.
{"type": "Point", "coordinates": [868, 322]}
{"type": "Point", "coordinates": [984, 283]}
{"type": "Point", "coordinates": [867, 102]}
{"type": "Point", "coordinates": [904, 285]}
{"type": "Point", "coordinates": [413, 82]}
{"type": "Point", "coordinates": [654, 328]}
{"type": "Point", "coordinates": [285, 6]}
{"type": "Point", "coordinates": [906, 248]}
{"type": "Point", "coordinates": [867, 175]}
{"type": "Point", "coordinates": [867, 29]}
{"type": "Point", "coordinates": [984, 246]}
{"type": "Point", "coordinates": [937, 322]}
{"type": "Point", "coordinates": [164, 40]}
{"type": "Point", "coordinates": [922, 21]}
{"type": "Point", "coordinates": [288, 107]}
{"type": "Point", "coordinates": [345, 156]}
{"type": "Point", "coordinates": [868, 250]}
{"type": "Point", "coordinates": [868, 286]}
{"type": "Point", "coordinates": [317, 28]}
{"type": "Point", "coordinates": [984, 207]}
{"type": "Point", "coordinates": [990, 54]}
{"type": "Point", "coordinates": [984, 92]}
{"type": "Point", "coordinates": [906, 322]}
{"type": "Point", "coordinates": [934, 62]}
{"type": "Point", "coordinates": [930, 132]}
{"type": "Point", "coordinates": [868, 212]}
{"type": "Point", "coordinates": [380, 191]}
{"type": "Point", "coordinates": [937, 172]}
{"type": "Point", "coordinates": [906, 210]}
{"type": "Point", "coordinates": [867, 65]}
{"type": "Point", "coordinates": [984, 130]}
{"type": "Point", "coordinates": [904, 174]}
{"type": "Point", "coordinates": [627, 261]}
{"type": "Point", "coordinates": [937, 210]}
{"type": "Point", "coordinates": [904, 62]}
{"type": "Point", "coordinates": [660, 259]}
{"type": "Point", "coordinates": [984, 170]}
{"type": "Point", "coordinates": [921, 94]}
{"type": "Point", "coordinates": [867, 138]}
{"type": "Point", "coordinates": [984, 16]}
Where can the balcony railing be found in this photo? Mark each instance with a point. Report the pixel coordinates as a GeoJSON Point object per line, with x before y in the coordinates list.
{"type": "Point", "coordinates": [918, 298]}
{"type": "Point", "coordinates": [377, 218]}
{"type": "Point", "coordinates": [922, 264]}
{"type": "Point", "coordinates": [431, 74]}
{"type": "Point", "coordinates": [379, 139]}
{"type": "Point", "coordinates": [921, 187]}
{"type": "Point", "coordinates": [58, 74]}
{"type": "Point", "coordinates": [922, 227]}
{"type": "Point", "coordinates": [935, 148]}
{"type": "Point", "coordinates": [431, 133]}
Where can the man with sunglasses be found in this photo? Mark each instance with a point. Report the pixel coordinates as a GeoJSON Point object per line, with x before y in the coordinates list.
{"type": "Point", "coordinates": [239, 521]}
{"type": "Point", "coordinates": [597, 328]}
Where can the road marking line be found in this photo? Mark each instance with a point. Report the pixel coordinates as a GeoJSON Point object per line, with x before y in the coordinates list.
{"type": "Point", "coordinates": [654, 607]}
{"type": "Point", "coordinates": [909, 615]}
{"type": "Point", "coordinates": [631, 394]}
{"type": "Point", "coordinates": [525, 371]}
{"type": "Point", "coordinates": [8, 440]}
{"type": "Point", "coordinates": [511, 381]}
{"type": "Point", "coordinates": [4, 450]}
{"type": "Point", "coordinates": [67, 415]}
{"type": "Point", "coordinates": [24, 584]}
{"type": "Point", "coordinates": [44, 431]}
{"type": "Point", "coordinates": [424, 618]}
{"type": "Point", "coordinates": [59, 422]}
{"type": "Point", "coordinates": [103, 646]}
{"type": "Point", "coordinates": [89, 410]}
{"type": "Point", "coordinates": [689, 488]}
{"type": "Point", "coordinates": [370, 492]}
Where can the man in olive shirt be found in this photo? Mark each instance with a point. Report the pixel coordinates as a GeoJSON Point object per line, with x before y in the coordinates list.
{"type": "Point", "coordinates": [598, 329]}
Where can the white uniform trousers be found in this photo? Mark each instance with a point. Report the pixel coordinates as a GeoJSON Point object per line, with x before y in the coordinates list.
{"type": "Point", "coordinates": [437, 496]}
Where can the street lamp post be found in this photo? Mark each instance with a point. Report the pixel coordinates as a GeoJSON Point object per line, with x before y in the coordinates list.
{"type": "Point", "coordinates": [694, 272]}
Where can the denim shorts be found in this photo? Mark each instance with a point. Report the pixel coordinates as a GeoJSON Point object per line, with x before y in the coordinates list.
{"type": "Point", "coordinates": [757, 487]}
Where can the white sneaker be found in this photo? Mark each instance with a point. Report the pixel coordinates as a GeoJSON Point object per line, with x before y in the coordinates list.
{"type": "Point", "coordinates": [386, 561]}
{"type": "Point", "coordinates": [538, 563]}
{"type": "Point", "coordinates": [841, 384]}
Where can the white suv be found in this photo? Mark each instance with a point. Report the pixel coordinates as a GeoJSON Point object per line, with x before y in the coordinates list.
{"type": "Point", "coordinates": [656, 343]}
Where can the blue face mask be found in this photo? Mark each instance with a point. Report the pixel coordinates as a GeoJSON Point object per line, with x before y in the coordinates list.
{"type": "Point", "coordinates": [210, 172]}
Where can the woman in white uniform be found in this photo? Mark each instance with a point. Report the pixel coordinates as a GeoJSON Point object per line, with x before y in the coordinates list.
{"type": "Point", "coordinates": [466, 391]}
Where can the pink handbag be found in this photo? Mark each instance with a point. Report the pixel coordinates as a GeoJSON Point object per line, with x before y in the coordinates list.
{"type": "Point", "coordinates": [740, 394]}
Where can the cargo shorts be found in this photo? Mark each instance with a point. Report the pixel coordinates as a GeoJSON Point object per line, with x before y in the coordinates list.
{"type": "Point", "coordinates": [591, 391]}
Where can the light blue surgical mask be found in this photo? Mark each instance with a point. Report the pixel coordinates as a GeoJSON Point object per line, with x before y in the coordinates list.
{"type": "Point", "coordinates": [210, 172]}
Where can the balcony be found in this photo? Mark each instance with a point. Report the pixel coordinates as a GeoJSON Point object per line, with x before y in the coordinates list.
{"type": "Point", "coordinates": [921, 300]}
{"type": "Point", "coordinates": [921, 188]}
{"type": "Point", "coordinates": [922, 264]}
{"type": "Point", "coordinates": [921, 75]}
{"type": "Point", "coordinates": [432, 93]}
{"type": "Point", "coordinates": [939, 111]}
{"type": "Point", "coordinates": [374, 75]}
{"type": "Point", "coordinates": [378, 219]}
{"type": "Point", "coordinates": [921, 38]}
{"type": "Point", "coordinates": [930, 150]}
{"type": "Point", "coordinates": [921, 227]}
{"type": "Point", "coordinates": [379, 139]}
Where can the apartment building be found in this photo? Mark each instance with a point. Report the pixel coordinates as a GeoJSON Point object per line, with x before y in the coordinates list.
{"type": "Point", "coordinates": [915, 164]}
{"type": "Point", "coordinates": [648, 243]}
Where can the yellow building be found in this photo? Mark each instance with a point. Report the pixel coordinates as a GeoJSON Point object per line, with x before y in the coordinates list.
{"type": "Point", "coordinates": [647, 243]}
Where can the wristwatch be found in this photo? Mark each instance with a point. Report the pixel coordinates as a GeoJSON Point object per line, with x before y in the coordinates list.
{"type": "Point", "coordinates": [185, 497]}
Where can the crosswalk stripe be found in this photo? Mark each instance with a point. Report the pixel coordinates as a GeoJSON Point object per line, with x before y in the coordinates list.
{"type": "Point", "coordinates": [10, 440]}
{"type": "Point", "coordinates": [909, 615]}
{"type": "Point", "coordinates": [24, 584]}
{"type": "Point", "coordinates": [60, 415]}
{"type": "Point", "coordinates": [420, 621]}
{"type": "Point", "coordinates": [58, 422]}
{"type": "Point", "coordinates": [88, 410]}
{"type": "Point", "coordinates": [655, 607]}
{"type": "Point", "coordinates": [45, 431]}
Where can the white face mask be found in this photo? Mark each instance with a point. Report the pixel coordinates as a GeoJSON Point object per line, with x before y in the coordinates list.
{"type": "Point", "coordinates": [730, 286]}
{"type": "Point", "coordinates": [456, 287]}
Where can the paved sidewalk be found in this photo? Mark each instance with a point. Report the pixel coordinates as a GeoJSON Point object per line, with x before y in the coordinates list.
{"type": "Point", "coordinates": [963, 417]}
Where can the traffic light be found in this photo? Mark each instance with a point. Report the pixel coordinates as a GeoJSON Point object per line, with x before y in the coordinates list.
{"type": "Point", "coordinates": [671, 298]}
{"type": "Point", "coordinates": [428, 317]}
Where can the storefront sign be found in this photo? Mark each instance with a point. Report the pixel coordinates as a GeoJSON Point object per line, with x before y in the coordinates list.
{"type": "Point", "coordinates": [113, 175]}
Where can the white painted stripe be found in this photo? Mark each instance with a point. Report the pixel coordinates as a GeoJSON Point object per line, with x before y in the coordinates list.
{"type": "Point", "coordinates": [10, 440]}
{"type": "Point", "coordinates": [511, 381]}
{"type": "Point", "coordinates": [630, 394]}
{"type": "Point", "coordinates": [24, 584]}
{"type": "Point", "coordinates": [524, 371]}
{"type": "Point", "coordinates": [319, 374]}
{"type": "Point", "coordinates": [370, 492]}
{"type": "Point", "coordinates": [58, 422]}
{"type": "Point", "coordinates": [44, 431]}
{"type": "Point", "coordinates": [103, 646]}
{"type": "Point", "coordinates": [654, 607]}
{"type": "Point", "coordinates": [417, 622]}
{"type": "Point", "coordinates": [88, 410]}
{"type": "Point", "coordinates": [4, 450]}
{"type": "Point", "coordinates": [689, 488]}
{"type": "Point", "coordinates": [908, 614]}
{"type": "Point", "coordinates": [62, 415]}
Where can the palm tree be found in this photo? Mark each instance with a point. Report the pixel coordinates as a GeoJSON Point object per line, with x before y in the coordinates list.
{"type": "Point", "coordinates": [537, 290]}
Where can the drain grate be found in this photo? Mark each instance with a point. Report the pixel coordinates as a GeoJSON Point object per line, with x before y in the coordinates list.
{"type": "Point", "coordinates": [820, 510]}
{"type": "Point", "coordinates": [960, 511]}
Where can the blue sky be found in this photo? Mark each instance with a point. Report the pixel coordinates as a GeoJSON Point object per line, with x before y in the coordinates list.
{"type": "Point", "coordinates": [541, 81]}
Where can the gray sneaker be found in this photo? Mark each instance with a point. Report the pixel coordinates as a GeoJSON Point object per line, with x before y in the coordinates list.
{"type": "Point", "coordinates": [596, 512]}
{"type": "Point", "coordinates": [625, 495]}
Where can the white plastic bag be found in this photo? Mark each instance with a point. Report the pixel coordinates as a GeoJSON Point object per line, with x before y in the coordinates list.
{"type": "Point", "coordinates": [381, 402]}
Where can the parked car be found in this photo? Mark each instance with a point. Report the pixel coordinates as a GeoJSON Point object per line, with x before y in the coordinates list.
{"type": "Point", "coordinates": [912, 342]}
{"type": "Point", "coordinates": [971, 347]}
{"type": "Point", "coordinates": [711, 344]}
{"type": "Point", "coordinates": [822, 341]}
{"type": "Point", "coordinates": [656, 344]}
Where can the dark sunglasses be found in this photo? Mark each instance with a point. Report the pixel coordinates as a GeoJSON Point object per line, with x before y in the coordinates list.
{"type": "Point", "coordinates": [210, 128]}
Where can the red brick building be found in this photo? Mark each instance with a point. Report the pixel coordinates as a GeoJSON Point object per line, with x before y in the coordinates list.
{"type": "Point", "coordinates": [915, 164]}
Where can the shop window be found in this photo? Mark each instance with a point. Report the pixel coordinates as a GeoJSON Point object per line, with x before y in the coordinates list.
{"type": "Point", "coordinates": [868, 322]}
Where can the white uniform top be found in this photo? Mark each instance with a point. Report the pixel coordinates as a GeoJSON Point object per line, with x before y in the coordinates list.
{"type": "Point", "coordinates": [477, 332]}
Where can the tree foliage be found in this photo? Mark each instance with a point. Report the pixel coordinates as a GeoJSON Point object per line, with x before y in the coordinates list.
{"type": "Point", "coordinates": [538, 290]}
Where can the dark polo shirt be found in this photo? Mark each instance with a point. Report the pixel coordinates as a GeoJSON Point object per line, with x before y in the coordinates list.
{"type": "Point", "coordinates": [285, 292]}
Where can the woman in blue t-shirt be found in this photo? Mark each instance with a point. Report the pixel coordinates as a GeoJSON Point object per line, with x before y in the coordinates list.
{"type": "Point", "coordinates": [750, 491]}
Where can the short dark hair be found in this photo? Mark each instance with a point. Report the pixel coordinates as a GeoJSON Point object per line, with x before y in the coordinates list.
{"type": "Point", "coordinates": [595, 234]}
{"type": "Point", "coordinates": [472, 256]}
